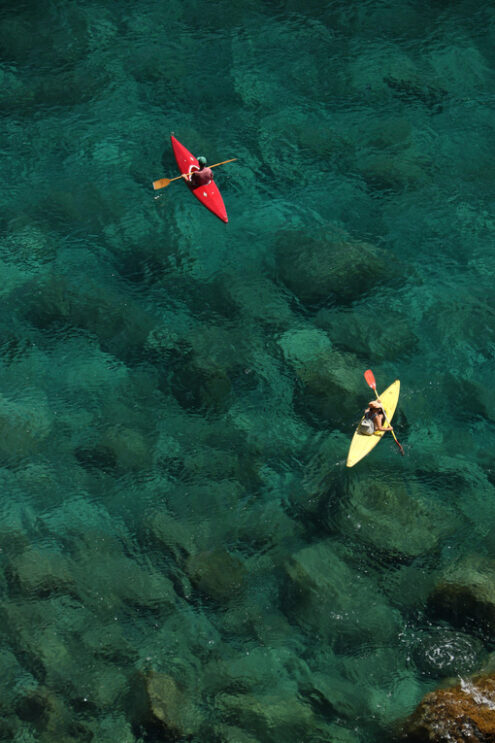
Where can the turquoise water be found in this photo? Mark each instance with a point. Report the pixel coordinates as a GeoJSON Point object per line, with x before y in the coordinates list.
{"type": "Point", "coordinates": [178, 395]}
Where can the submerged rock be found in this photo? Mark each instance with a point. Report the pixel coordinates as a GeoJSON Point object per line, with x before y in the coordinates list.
{"type": "Point", "coordinates": [119, 323]}
{"type": "Point", "coordinates": [464, 713]}
{"type": "Point", "coordinates": [255, 670]}
{"type": "Point", "coordinates": [359, 332]}
{"type": "Point", "coordinates": [24, 424]}
{"type": "Point", "coordinates": [330, 384]}
{"type": "Point", "coordinates": [197, 388]}
{"type": "Point", "coordinates": [270, 717]}
{"type": "Point", "coordinates": [383, 173]}
{"type": "Point", "coordinates": [107, 641]}
{"type": "Point", "coordinates": [15, 680]}
{"type": "Point", "coordinates": [171, 535]}
{"type": "Point", "coordinates": [48, 714]}
{"type": "Point", "coordinates": [18, 519]}
{"type": "Point", "coordinates": [128, 447]}
{"type": "Point", "coordinates": [216, 573]}
{"type": "Point", "coordinates": [328, 598]}
{"type": "Point", "coordinates": [111, 729]}
{"type": "Point", "coordinates": [260, 299]}
{"type": "Point", "coordinates": [302, 345]}
{"type": "Point", "coordinates": [465, 595]}
{"type": "Point", "coordinates": [184, 643]}
{"type": "Point", "coordinates": [43, 572]}
{"type": "Point", "coordinates": [328, 266]}
{"type": "Point", "coordinates": [103, 685]}
{"type": "Point", "coordinates": [107, 585]}
{"type": "Point", "coordinates": [159, 702]}
{"type": "Point", "coordinates": [391, 516]}
{"type": "Point", "coordinates": [232, 734]}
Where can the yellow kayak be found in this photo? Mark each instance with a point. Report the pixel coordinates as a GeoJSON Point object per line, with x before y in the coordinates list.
{"type": "Point", "coordinates": [361, 444]}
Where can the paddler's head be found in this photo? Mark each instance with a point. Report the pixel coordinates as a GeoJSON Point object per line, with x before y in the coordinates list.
{"type": "Point", "coordinates": [375, 405]}
{"type": "Point", "coordinates": [202, 162]}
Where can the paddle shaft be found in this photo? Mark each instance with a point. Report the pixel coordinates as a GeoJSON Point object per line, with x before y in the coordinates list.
{"type": "Point", "coordinates": [164, 182]}
{"type": "Point", "coordinates": [371, 381]}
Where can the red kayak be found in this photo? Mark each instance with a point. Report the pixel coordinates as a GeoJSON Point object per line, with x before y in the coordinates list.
{"type": "Point", "coordinates": [209, 195]}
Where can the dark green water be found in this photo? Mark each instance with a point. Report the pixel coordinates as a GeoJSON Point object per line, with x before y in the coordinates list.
{"type": "Point", "coordinates": [178, 395]}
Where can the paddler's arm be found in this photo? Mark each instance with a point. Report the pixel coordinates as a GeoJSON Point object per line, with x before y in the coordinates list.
{"type": "Point", "coordinates": [381, 427]}
{"type": "Point", "coordinates": [384, 428]}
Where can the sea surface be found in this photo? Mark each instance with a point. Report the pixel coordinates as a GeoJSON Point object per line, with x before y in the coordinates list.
{"type": "Point", "coordinates": [183, 553]}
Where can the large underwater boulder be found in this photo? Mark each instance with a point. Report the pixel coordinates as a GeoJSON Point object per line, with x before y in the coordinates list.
{"type": "Point", "coordinates": [465, 594]}
{"type": "Point", "coordinates": [325, 597]}
{"type": "Point", "coordinates": [393, 516]}
{"type": "Point", "coordinates": [328, 267]}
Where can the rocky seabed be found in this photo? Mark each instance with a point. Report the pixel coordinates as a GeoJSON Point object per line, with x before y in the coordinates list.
{"type": "Point", "coordinates": [183, 554]}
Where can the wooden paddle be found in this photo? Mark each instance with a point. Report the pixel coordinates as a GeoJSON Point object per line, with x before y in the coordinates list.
{"type": "Point", "coordinates": [370, 378]}
{"type": "Point", "coordinates": [164, 182]}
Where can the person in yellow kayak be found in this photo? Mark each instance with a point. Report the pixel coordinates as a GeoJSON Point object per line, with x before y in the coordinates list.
{"type": "Point", "coordinates": [374, 418]}
{"type": "Point", "coordinates": [201, 177]}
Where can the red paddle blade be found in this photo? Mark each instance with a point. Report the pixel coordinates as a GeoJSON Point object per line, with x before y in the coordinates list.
{"type": "Point", "coordinates": [370, 378]}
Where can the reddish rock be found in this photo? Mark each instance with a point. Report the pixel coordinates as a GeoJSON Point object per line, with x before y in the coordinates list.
{"type": "Point", "coordinates": [158, 703]}
{"type": "Point", "coordinates": [464, 713]}
{"type": "Point", "coordinates": [171, 706]}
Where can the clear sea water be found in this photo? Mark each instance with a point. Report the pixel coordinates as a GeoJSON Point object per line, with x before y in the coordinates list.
{"type": "Point", "coordinates": [178, 527]}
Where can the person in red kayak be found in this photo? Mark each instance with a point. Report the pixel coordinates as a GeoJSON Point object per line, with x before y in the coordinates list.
{"type": "Point", "coordinates": [200, 177]}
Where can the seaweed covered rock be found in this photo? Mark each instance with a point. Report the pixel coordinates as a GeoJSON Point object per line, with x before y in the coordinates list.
{"type": "Point", "coordinates": [465, 594]}
{"type": "Point", "coordinates": [464, 713]}
{"type": "Point", "coordinates": [328, 266]}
